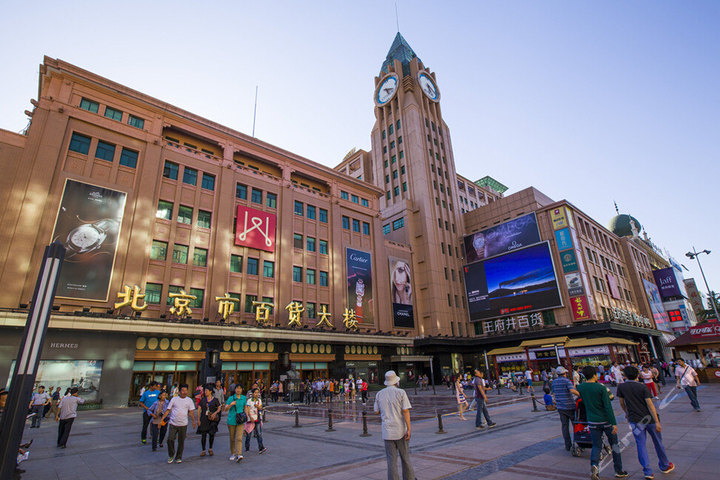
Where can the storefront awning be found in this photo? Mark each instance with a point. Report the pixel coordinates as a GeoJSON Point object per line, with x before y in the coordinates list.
{"type": "Point", "coordinates": [506, 350]}
{"type": "Point", "coordinates": [544, 342]}
{"type": "Point", "coordinates": [589, 342]}
{"type": "Point", "coordinates": [410, 358]}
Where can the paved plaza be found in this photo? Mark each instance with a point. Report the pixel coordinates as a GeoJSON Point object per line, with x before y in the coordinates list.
{"type": "Point", "coordinates": [525, 445]}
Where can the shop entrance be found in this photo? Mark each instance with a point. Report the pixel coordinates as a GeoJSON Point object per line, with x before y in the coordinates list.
{"type": "Point", "coordinates": [245, 374]}
{"type": "Point", "coordinates": [165, 373]}
{"type": "Point", "coordinates": [312, 370]}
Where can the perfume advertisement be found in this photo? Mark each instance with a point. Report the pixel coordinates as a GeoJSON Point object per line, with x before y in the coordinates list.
{"type": "Point", "coordinates": [83, 374]}
{"type": "Point", "coordinates": [88, 225]}
{"type": "Point", "coordinates": [359, 284]}
{"type": "Point", "coordinates": [402, 296]}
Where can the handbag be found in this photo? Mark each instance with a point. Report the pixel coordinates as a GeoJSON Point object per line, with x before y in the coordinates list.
{"type": "Point", "coordinates": [240, 418]}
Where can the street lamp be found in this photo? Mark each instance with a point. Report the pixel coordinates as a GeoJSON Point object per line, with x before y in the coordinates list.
{"type": "Point", "coordinates": [696, 255]}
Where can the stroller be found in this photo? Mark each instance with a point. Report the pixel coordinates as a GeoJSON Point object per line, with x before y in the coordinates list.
{"type": "Point", "coordinates": [581, 433]}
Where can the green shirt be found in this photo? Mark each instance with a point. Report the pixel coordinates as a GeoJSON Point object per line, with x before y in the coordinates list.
{"type": "Point", "coordinates": [239, 407]}
{"type": "Point", "coordinates": [596, 399]}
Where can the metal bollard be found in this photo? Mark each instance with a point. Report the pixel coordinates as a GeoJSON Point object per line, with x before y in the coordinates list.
{"type": "Point", "coordinates": [297, 420]}
{"type": "Point", "coordinates": [365, 429]}
{"type": "Point", "coordinates": [532, 396]}
{"type": "Point", "coordinates": [498, 387]}
{"type": "Point", "coordinates": [330, 426]}
{"type": "Point", "coordinates": [263, 416]}
{"type": "Point", "coordinates": [520, 389]}
{"type": "Point", "coordinates": [440, 424]}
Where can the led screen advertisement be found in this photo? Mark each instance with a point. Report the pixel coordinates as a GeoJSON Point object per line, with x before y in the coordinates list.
{"type": "Point", "coordinates": [667, 283]}
{"type": "Point", "coordinates": [88, 225]}
{"type": "Point", "coordinates": [401, 292]}
{"type": "Point", "coordinates": [520, 281]}
{"type": "Point", "coordinates": [656, 305]}
{"type": "Point", "coordinates": [359, 284]}
{"type": "Point", "coordinates": [255, 229]}
{"type": "Point", "coordinates": [506, 237]}
{"type": "Point", "coordinates": [83, 374]}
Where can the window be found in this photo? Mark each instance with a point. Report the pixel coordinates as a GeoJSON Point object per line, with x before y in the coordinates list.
{"type": "Point", "coordinates": [158, 250]}
{"type": "Point", "coordinates": [387, 178]}
{"type": "Point", "coordinates": [268, 269]}
{"type": "Point", "coordinates": [356, 225]}
{"type": "Point", "coordinates": [271, 200]}
{"type": "Point", "coordinates": [383, 134]}
{"type": "Point", "coordinates": [172, 289]}
{"type": "Point", "coordinates": [208, 181]}
{"type": "Point", "coordinates": [396, 191]}
{"type": "Point", "coordinates": [252, 266]}
{"type": "Point", "coordinates": [385, 151]}
{"type": "Point", "coordinates": [113, 114]}
{"type": "Point", "coordinates": [387, 195]}
{"type": "Point", "coordinates": [392, 144]}
{"type": "Point", "coordinates": [249, 300]}
{"type": "Point", "coordinates": [402, 154]}
{"type": "Point", "coordinates": [398, 124]}
{"type": "Point", "coordinates": [311, 212]}
{"type": "Point", "coordinates": [385, 163]}
{"type": "Point", "coordinates": [128, 158]}
{"type": "Point", "coordinates": [171, 170]}
{"type": "Point", "coordinates": [204, 219]}
{"type": "Point", "coordinates": [366, 228]}
{"type": "Point", "coordinates": [310, 276]}
{"type": "Point", "coordinates": [449, 301]}
{"type": "Point", "coordinates": [89, 105]}
{"type": "Point", "coordinates": [180, 254]}
{"type": "Point", "coordinates": [344, 195]}
{"type": "Point", "coordinates": [386, 229]}
{"type": "Point", "coordinates": [390, 129]}
{"type": "Point", "coordinates": [446, 275]}
{"type": "Point", "coordinates": [297, 274]}
{"type": "Point", "coordinates": [402, 169]}
{"type": "Point", "coordinates": [297, 241]}
{"type": "Point", "coordinates": [164, 210]}
{"type": "Point", "coordinates": [400, 140]}
{"type": "Point", "coordinates": [190, 176]}
{"type": "Point", "coordinates": [310, 241]}
{"type": "Point", "coordinates": [395, 174]}
{"type": "Point", "coordinates": [323, 279]}
{"type": "Point", "coordinates": [200, 257]}
{"type": "Point", "coordinates": [241, 191]}
{"type": "Point", "coordinates": [256, 196]}
{"type": "Point", "coordinates": [364, 202]}
{"type": "Point", "coordinates": [404, 186]}
{"type": "Point", "coordinates": [105, 151]}
{"type": "Point", "coordinates": [346, 222]}
{"type": "Point", "coordinates": [236, 263]}
{"type": "Point", "coordinates": [323, 215]}
{"type": "Point", "coordinates": [136, 122]}
{"type": "Point", "coordinates": [153, 293]}
{"type": "Point", "coordinates": [355, 199]}
{"type": "Point", "coordinates": [310, 309]}
{"type": "Point", "coordinates": [399, 223]}
{"type": "Point", "coordinates": [299, 207]}
{"type": "Point", "coordinates": [323, 247]}
{"type": "Point", "coordinates": [185, 215]}
{"type": "Point", "coordinates": [393, 159]}
{"type": "Point", "coordinates": [442, 248]}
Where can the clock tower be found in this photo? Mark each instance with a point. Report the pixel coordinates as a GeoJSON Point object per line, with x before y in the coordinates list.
{"type": "Point", "coordinates": [412, 160]}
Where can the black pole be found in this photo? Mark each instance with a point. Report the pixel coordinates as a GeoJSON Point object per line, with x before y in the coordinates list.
{"type": "Point", "coordinates": [532, 395]}
{"type": "Point", "coordinates": [365, 429]}
{"type": "Point", "coordinates": [440, 423]}
{"type": "Point", "coordinates": [330, 427]}
{"type": "Point", "coordinates": [498, 386]}
{"type": "Point", "coordinates": [297, 419]}
{"type": "Point", "coordinates": [28, 358]}
{"type": "Point", "coordinates": [432, 375]}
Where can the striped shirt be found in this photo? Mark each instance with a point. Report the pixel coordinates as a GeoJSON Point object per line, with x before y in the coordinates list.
{"type": "Point", "coordinates": [563, 398]}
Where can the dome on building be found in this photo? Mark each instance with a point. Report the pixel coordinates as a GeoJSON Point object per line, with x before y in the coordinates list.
{"type": "Point", "coordinates": [622, 225]}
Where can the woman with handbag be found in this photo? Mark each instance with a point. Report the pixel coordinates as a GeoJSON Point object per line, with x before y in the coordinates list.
{"type": "Point", "coordinates": [235, 407]}
{"type": "Point", "coordinates": [210, 409]}
{"type": "Point", "coordinates": [253, 425]}
{"type": "Point", "coordinates": [158, 427]}
{"type": "Point", "coordinates": [461, 400]}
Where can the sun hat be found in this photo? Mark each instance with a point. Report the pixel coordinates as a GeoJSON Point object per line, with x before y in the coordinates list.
{"type": "Point", "coordinates": [391, 378]}
{"type": "Point", "coordinates": [561, 370]}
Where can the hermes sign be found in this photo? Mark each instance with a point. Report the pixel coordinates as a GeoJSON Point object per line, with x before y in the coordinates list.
{"type": "Point", "coordinates": [255, 229]}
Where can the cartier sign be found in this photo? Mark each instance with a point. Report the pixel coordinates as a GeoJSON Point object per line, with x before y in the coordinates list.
{"type": "Point", "coordinates": [704, 331]}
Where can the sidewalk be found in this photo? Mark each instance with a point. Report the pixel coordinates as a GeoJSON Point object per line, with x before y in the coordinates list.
{"type": "Point", "coordinates": [524, 445]}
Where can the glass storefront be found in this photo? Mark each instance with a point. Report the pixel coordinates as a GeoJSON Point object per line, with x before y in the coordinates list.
{"type": "Point", "coordinates": [368, 371]}
{"type": "Point", "coordinates": [245, 374]}
{"type": "Point", "coordinates": [311, 370]}
{"type": "Point", "coordinates": [165, 373]}
{"type": "Point", "coordinates": [597, 355]}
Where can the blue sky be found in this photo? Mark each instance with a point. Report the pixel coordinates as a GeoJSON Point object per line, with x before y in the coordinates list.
{"type": "Point", "coordinates": [587, 101]}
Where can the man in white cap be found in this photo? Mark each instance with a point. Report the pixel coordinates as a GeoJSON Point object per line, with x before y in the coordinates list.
{"type": "Point", "coordinates": [563, 389]}
{"type": "Point", "coordinates": [394, 408]}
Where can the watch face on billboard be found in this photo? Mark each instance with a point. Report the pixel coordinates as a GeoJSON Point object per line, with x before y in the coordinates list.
{"type": "Point", "coordinates": [506, 237]}
{"type": "Point", "coordinates": [255, 229]}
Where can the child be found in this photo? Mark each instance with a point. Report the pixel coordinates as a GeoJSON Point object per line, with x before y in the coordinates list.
{"type": "Point", "coordinates": [549, 401]}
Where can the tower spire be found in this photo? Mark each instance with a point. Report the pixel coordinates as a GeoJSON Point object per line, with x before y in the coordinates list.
{"type": "Point", "coordinates": [397, 17]}
{"type": "Point", "coordinates": [617, 210]}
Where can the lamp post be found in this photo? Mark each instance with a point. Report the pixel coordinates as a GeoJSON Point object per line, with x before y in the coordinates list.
{"type": "Point", "coordinates": [696, 255]}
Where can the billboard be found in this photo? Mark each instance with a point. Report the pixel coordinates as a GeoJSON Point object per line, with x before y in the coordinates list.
{"type": "Point", "coordinates": [359, 284]}
{"type": "Point", "coordinates": [613, 286]}
{"type": "Point", "coordinates": [568, 260]}
{"type": "Point", "coordinates": [667, 282]}
{"type": "Point", "coordinates": [83, 374]}
{"type": "Point", "coordinates": [255, 229]}
{"type": "Point", "coordinates": [88, 225]}
{"type": "Point", "coordinates": [517, 233]}
{"type": "Point", "coordinates": [656, 306]}
{"type": "Point", "coordinates": [580, 308]}
{"type": "Point", "coordinates": [574, 284]}
{"type": "Point", "coordinates": [401, 293]}
{"type": "Point", "coordinates": [560, 218]}
{"type": "Point", "coordinates": [563, 238]}
{"type": "Point", "coordinates": [520, 281]}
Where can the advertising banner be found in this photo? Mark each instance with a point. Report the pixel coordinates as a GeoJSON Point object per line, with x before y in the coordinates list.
{"type": "Point", "coordinates": [88, 225]}
{"type": "Point", "coordinates": [580, 308]}
{"type": "Point", "coordinates": [401, 293]}
{"type": "Point", "coordinates": [83, 374]}
{"type": "Point", "coordinates": [574, 284]}
{"type": "Point", "coordinates": [667, 282]}
{"type": "Point", "coordinates": [560, 218]}
{"type": "Point", "coordinates": [569, 261]}
{"type": "Point", "coordinates": [705, 331]}
{"type": "Point", "coordinates": [506, 237]}
{"type": "Point", "coordinates": [613, 285]}
{"type": "Point", "coordinates": [656, 306]}
{"type": "Point", "coordinates": [255, 229]}
{"type": "Point", "coordinates": [520, 281]}
{"type": "Point", "coordinates": [564, 241]}
{"type": "Point", "coordinates": [359, 284]}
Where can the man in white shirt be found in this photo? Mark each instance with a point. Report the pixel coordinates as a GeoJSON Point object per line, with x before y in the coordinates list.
{"type": "Point", "coordinates": [66, 414]}
{"type": "Point", "coordinates": [179, 408]}
{"type": "Point", "coordinates": [616, 373]}
{"type": "Point", "coordinates": [394, 408]}
{"type": "Point", "coordinates": [687, 379]}
{"type": "Point", "coordinates": [529, 380]}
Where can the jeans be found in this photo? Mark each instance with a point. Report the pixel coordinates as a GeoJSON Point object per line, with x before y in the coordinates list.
{"type": "Point", "coordinates": [481, 410]}
{"type": "Point", "coordinates": [639, 431]}
{"type": "Point", "coordinates": [236, 433]}
{"type": "Point", "coordinates": [566, 418]}
{"type": "Point", "coordinates": [64, 427]}
{"type": "Point", "coordinates": [392, 448]}
{"type": "Point", "coordinates": [37, 418]}
{"type": "Point", "coordinates": [692, 394]}
{"type": "Point", "coordinates": [257, 433]}
{"type": "Point", "coordinates": [596, 432]}
{"type": "Point", "coordinates": [180, 433]}
{"type": "Point", "coordinates": [146, 423]}
{"type": "Point", "coordinates": [158, 434]}
{"type": "Point", "coordinates": [203, 439]}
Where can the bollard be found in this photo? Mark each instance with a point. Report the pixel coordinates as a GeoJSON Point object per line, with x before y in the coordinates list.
{"type": "Point", "coordinates": [498, 387]}
{"type": "Point", "coordinates": [263, 416]}
{"type": "Point", "coordinates": [520, 389]}
{"type": "Point", "coordinates": [330, 426]}
{"type": "Point", "coordinates": [365, 429]}
{"type": "Point", "coordinates": [297, 420]}
{"type": "Point", "coordinates": [532, 396]}
{"type": "Point", "coordinates": [440, 424]}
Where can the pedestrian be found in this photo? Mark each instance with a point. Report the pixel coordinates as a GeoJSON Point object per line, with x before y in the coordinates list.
{"type": "Point", "coordinates": [394, 408]}
{"type": "Point", "coordinates": [219, 392]}
{"type": "Point", "coordinates": [158, 427]}
{"type": "Point", "coordinates": [576, 375]}
{"type": "Point", "coordinates": [54, 400]}
{"type": "Point", "coordinates": [46, 410]}
{"type": "Point", "coordinates": [686, 377]}
{"type": "Point", "coordinates": [461, 400]}
{"type": "Point", "coordinates": [529, 380]}
{"type": "Point", "coordinates": [616, 373]}
{"type": "Point", "coordinates": [67, 412]}
{"type": "Point", "coordinates": [179, 409]}
{"type": "Point", "coordinates": [274, 391]}
{"type": "Point", "coordinates": [563, 389]}
{"type": "Point", "coordinates": [647, 378]}
{"type": "Point", "coordinates": [209, 417]}
{"type": "Point", "coordinates": [236, 417]}
{"type": "Point", "coordinates": [545, 379]}
{"type": "Point", "coordinates": [481, 399]}
{"type": "Point", "coordinates": [253, 425]}
{"type": "Point", "coordinates": [147, 400]}
{"type": "Point", "coordinates": [364, 391]}
{"type": "Point", "coordinates": [346, 389]}
{"type": "Point", "coordinates": [636, 402]}
{"type": "Point", "coordinates": [37, 405]}
{"type": "Point", "coordinates": [601, 420]}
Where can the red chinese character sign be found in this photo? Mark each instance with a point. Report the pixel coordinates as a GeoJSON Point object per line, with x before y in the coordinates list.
{"type": "Point", "coordinates": [255, 229]}
{"type": "Point", "coordinates": [580, 308]}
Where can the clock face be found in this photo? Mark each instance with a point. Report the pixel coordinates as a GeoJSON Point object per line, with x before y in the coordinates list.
{"type": "Point", "coordinates": [387, 89]}
{"type": "Point", "coordinates": [428, 86]}
{"type": "Point", "coordinates": [84, 236]}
